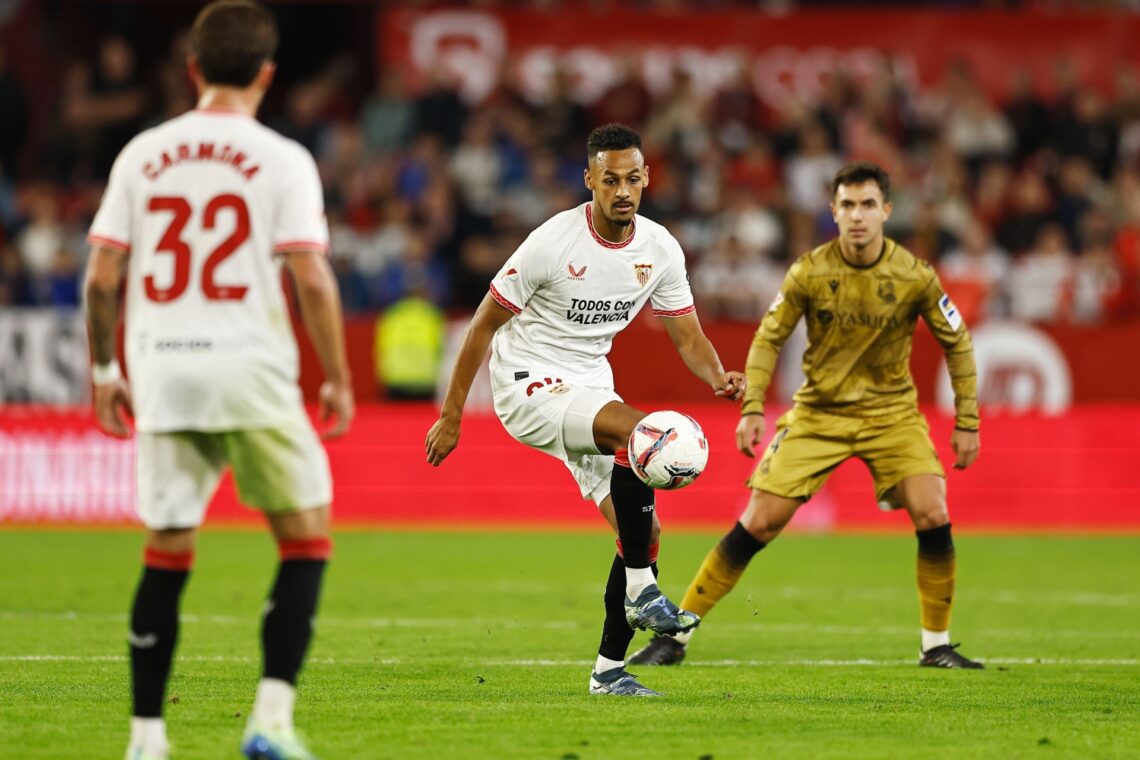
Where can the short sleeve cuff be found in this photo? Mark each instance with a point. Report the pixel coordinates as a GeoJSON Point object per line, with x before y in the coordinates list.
{"type": "Point", "coordinates": [674, 312]}
{"type": "Point", "coordinates": [109, 242]}
{"type": "Point", "coordinates": [503, 301]}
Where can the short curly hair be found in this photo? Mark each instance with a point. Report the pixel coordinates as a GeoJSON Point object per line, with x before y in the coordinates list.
{"type": "Point", "coordinates": [612, 137]}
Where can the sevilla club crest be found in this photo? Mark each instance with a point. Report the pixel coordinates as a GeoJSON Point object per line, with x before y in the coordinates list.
{"type": "Point", "coordinates": [642, 272]}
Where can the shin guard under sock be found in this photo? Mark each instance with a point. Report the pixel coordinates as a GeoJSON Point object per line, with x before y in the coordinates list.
{"type": "Point", "coordinates": [936, 571]}
{"type": "Point", "coordinates": [154, 628]}
{"type": "Point", "coordinates": [287, 626]}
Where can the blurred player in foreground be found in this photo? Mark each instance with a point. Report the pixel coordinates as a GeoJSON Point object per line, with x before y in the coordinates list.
{"type": "Point", "coordinates": [861, 295]}
{"type": "Point", "coordinates": [550, 318]}
{"type": "Point", "coordinates": [199, 215]}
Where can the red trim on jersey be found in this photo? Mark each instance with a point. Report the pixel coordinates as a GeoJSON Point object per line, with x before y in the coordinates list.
{"type": "Point", "coordinates": [306, 548]}
{"type": "Point", "coordinates": [621, 457]}
{"type": "Point", "coordinates": [601, 240]}
{"type": "Point", "coordinates": [301, 245]}
{"type": "Point", "coordinates": [109, 242]}
{"type": "Point", "coordinates": [675, 312]}
{"type": "Point", "coordinates": [503, 300]}
{"type": "Point", "coordinates": [160, 560]}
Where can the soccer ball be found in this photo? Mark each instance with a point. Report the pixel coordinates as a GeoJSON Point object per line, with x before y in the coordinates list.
{"type": "Point", "coordinates": [668, 450]}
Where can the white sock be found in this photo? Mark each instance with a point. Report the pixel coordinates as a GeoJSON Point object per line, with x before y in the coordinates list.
{"type": "Point", "coordinates": [682, 638]}
{"type": "Point", "coordinates": [150, 734]}
{"type": "Point", "coordinates": [273, 706]}
{"type": "Point", "coordinates": [605, 663]}
{"type": "Point", "coordinates": [931, 639]}
{"type": "Point", "coordinates": [637, 579]}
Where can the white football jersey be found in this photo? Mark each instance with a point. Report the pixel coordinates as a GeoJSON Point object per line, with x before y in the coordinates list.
{"type": "Point", "coordinates": [572, 291]}
{"type": "Point", "coordinates": [202, 203]}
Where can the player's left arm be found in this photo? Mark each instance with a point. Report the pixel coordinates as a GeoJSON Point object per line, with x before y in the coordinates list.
{"type": "Point", "coordinates": [105, 269]}
{"type": "Point", "coordinates": [701, 358]}
{"type": "Point", "coordinates": [319, 299]}
{"type": "Point", "coordinates": [945, 321]}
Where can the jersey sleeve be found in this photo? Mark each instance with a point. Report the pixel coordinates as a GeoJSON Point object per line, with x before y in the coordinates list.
{"type": "Point", "coordinates": [949, 329]}
{"type": "Point", "coordinates": [777, 324]}
{"type": "Point", "coordinates": [523, 274]}
{"type": "Point", "coordinates": [673, 297]}
{"type": "Point", "coordinates": [112, 224]}
{"type": "Point", "coordinates": [301, 222]}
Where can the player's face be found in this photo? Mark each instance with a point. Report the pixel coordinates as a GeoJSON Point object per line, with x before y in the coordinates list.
{"type": "Point", "coordinates": [859, 211]}
{"type": "Point", "coordinates": [616, 178]}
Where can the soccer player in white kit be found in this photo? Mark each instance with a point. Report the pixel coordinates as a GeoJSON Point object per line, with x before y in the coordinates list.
{"type": "Point", "coordinates": [199, 215]}
{"type": "Point", "coordinates": [550, 318]}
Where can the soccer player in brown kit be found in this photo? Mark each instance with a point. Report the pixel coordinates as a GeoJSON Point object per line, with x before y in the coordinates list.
{"type": "Point", "coordinates": [199, 216]}
{"type": "Point", "coordinates": [861, 295]}
{"type": "Point", "coordinates": [549, 319]}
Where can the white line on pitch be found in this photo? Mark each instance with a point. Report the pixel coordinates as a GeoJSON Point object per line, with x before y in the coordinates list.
{"type": "Point", "coordinates": [570, 625]}
{"type": "Point", "coordinates": [463, 662]}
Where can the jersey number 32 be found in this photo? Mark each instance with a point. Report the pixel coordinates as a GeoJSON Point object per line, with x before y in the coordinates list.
{"type": "Point", "coordinates": [172, 243]}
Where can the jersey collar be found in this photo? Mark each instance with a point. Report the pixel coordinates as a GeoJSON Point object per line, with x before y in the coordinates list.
{"type": "Point", "coordinates": [601, 240]}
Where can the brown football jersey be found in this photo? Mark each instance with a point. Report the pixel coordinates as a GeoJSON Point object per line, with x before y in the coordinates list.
{"type": "Point", "coordinates": [860, 326]}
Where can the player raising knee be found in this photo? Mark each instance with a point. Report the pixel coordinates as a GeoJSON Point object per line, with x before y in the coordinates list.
{"type": "Point", "coordinates": [550, 317]}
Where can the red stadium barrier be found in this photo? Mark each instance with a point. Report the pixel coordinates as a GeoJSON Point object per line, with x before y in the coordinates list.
{"type": "Point", "coordinates": [643, 351]}
{"type": "Point", "coordinates": [788, 56]}
{"type": "Point", "coordinates": [1077, 471]}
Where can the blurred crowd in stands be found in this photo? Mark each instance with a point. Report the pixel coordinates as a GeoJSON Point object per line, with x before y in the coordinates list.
{"type": "Point", "coordinates": [1028, 206]}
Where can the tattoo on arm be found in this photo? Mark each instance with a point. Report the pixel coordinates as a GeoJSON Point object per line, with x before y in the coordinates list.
{"type": "Point", "coordinates": [102, 320]}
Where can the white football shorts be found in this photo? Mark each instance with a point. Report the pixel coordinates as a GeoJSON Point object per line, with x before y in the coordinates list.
{"type": "Point", "coordinates": [557, 417]}
{"type": "Point", "coordinates": [280, 469]}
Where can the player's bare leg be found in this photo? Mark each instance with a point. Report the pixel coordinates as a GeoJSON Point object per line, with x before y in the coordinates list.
{"type": "Point", "coordinates": [168, 557]}
{"type": "Point", "coordinates": [304, 545]}
{"type": "Point", "coordinates": [766, 515]}
{"type": "Point", "coordinates": [924, 498]}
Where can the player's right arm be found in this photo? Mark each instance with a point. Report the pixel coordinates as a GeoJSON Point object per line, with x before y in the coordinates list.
{"type": "Point", "coordinates": [770, 337]}
{"type": "Point", "coordinates": [105, 269]}
{"type": "Point", "coordinates": [319, 300]}
{"type": "Point", "coordinates": [443, 436]}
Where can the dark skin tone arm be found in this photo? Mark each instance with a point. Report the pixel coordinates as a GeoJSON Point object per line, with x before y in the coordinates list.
{"type": "Point", "coordinates": [443, 436]}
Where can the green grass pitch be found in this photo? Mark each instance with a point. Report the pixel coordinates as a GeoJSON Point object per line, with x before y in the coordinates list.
{"type": "Point", "coordinates": [479, 645]}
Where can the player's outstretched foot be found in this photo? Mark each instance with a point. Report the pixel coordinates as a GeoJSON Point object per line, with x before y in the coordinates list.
{"type": "Point", "coordinates": [620, 683]}
{"type": "Point", "coordinates": [263, 743]}
{"type": "Point", "coordinates": [138, 753]}
{"type": "Point", "coordinates": [944, 656]}
{"type": "Point", "coordinates": [653, 612]}
{"type": "Point", "coordinates": [661, 650]}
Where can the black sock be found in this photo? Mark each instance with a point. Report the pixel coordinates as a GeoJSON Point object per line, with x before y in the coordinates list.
{"type": "Point", "coordinates": [153, 635]}
{"type": "Point", "coordinates": [633, 508]}
{"type": "Point", "coordinates": [288, 623]}
{"type": "Point", "coordinates": [935, 542]}
{"type": "Point", "coordinates": [616, 633]}
{"type": "Point", "coordinates": [740, 546]}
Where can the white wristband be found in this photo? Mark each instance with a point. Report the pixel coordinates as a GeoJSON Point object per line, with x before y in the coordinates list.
{"type": "Point", "coordinates": [105, 374]}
